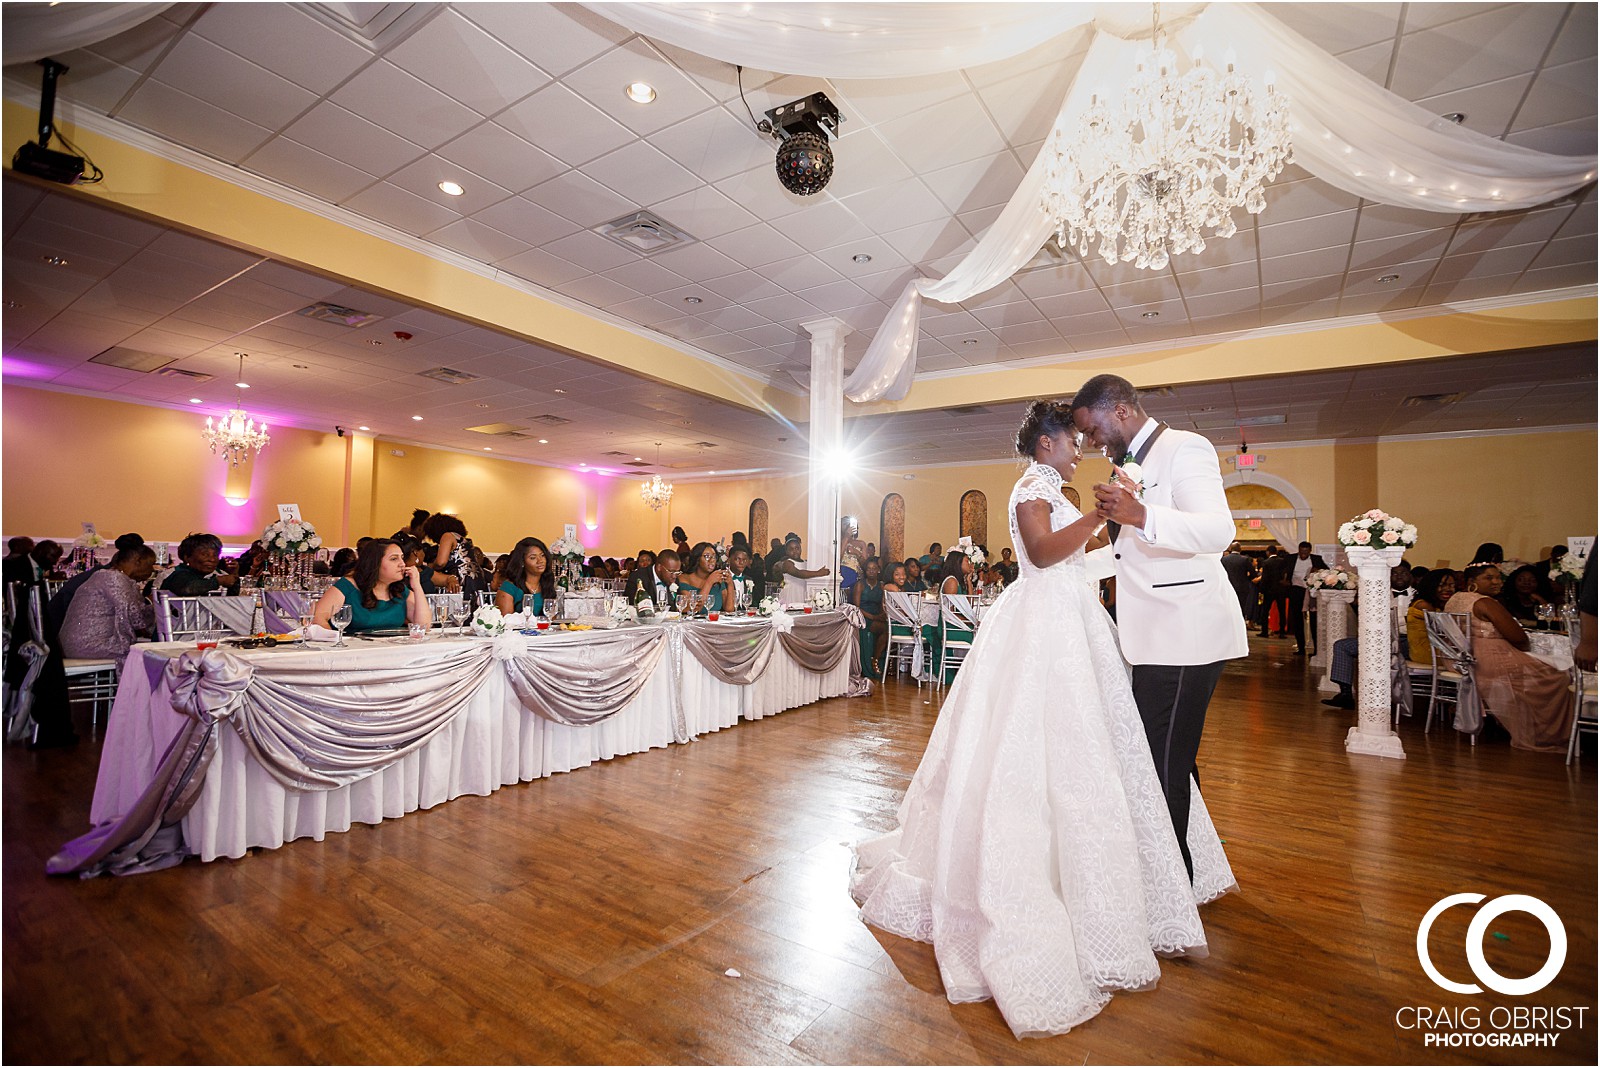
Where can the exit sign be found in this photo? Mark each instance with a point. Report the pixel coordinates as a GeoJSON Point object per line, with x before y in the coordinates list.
{"type": "Point", "coordinates": [1246, 460]}
{"type": "Point", "coordinates": [1255, 524]}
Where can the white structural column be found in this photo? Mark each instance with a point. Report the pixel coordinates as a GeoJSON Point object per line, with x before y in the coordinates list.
{"type": "Point", "coordinates": [1333, 624]}
{"type": "Point", "coordinates": [827, 441]}
{"type": "Point", "coordinates": [1374, 619]}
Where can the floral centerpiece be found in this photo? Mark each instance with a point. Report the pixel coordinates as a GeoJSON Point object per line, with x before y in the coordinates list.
{"type": "Point", "coordinates": [974, 553]}
{"type": "Point", "coordinates": [290, 536]}
{"type": "Point", "coordinates": [1377, 529]}
{"type": "Point", "coordinates": [488, 622]}
{"type": "Point", "coordinates": [569, 552]}
{"type": "Point", "coordinates": [1332, 578]}
{"type": "Point", "coordinates": [770, 606]}
{"type": "Point", "coordinates": [1567, 572]}
{"type": "Point", "coordinates": [822, 600]}
{"type": "Point", "coordinates": [88, 540]}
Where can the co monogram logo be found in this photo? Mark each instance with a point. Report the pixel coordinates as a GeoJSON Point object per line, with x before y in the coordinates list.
{"type": "Point", "coordinates": [1479, 927]}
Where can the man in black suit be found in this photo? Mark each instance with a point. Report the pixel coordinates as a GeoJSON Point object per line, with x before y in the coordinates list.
{"type": "Point", "coordinates": [1237, 565]}
{"type": "Point", "coordinates": [1275, 591]}
{"type": "Point", "coordinates": [1300, 566]}
{"type": "Point", "coordinates": [658, 583]}
{"type": "Point", "coordinates": [31, 566]}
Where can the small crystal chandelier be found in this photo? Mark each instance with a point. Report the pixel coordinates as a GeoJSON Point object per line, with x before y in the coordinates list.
{"type": "Point", "coordinates": [656, 492]}
{"type": "Point", "coordinates": [1174, 156]}
{"type": "Point", "coordinates": [237, 434]}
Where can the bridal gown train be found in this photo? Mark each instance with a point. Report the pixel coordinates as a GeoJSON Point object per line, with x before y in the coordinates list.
{"type": "Point", "coordinates": [1034, 846]}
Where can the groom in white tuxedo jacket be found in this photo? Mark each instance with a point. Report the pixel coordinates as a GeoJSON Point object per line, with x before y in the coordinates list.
{"type": "Point", "coordinates": [1177, 615]}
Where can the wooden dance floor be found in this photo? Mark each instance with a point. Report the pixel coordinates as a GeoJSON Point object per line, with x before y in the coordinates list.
{"type": "Point", "coordinates": [592, 917]}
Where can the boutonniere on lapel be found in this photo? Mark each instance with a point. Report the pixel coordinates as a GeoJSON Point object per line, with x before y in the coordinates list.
{"type": "Point", "coordinates": [1129, 474]}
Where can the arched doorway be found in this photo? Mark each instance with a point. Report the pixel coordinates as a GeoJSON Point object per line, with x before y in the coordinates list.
{"type": "Point", "coordinates": [892, 528]}
{"type": "Point", "coordinates": [758, 527]}
{"type": "Point", "coordinates": [975, 517]}
{"type": "Point", "coordinates": [1266, 509]}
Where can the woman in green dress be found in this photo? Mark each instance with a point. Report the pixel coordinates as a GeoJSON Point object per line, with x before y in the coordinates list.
{"type": "Point", "coordinates": [528, 582]}
{"type": "Point", "coordinates": [715, 584]}
{"type": "Point", "coordinates": [960, 577]}
{"type": "Point", "coordinates": [382, 592]}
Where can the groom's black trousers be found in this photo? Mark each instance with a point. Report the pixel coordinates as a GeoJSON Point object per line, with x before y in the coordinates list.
{"type": "Point", "coordinates": [1172, 702]}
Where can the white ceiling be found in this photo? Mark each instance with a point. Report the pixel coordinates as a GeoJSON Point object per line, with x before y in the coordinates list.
{"type": "Point", "coordinates": [522, 104]}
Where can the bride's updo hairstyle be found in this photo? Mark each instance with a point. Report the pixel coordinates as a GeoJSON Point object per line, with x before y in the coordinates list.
{"type": "Point", "coordinates": [1042, 417]}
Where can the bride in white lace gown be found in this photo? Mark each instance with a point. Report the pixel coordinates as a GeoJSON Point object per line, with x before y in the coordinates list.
{"type": "Point", "coordinates": [1034, 847]}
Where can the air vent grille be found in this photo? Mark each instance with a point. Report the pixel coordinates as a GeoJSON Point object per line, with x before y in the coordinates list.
{"type": "Point", "coordinates": [188, 376]}
{"type": "Point", "coordinates": [324, 312]}
{"type": "Point", "coordinates": [498, 429]}
{"type": "Point", "coordinates": [638, 463]}
{"type": "Point", "coordinates": [702, 445]}
{"type": "Point", "coordinates": [549, 420]}
{"type": "Point", "coordinates": [968, 409]}
{"type": "Point", "coordinates": [1431, 400]}
{"type": "Point", "coordinates": [644, 233]}
{"type": "Point", "coordinates": [448, 374]}
{"type": "Point", "coordinates": [132, 359]}
{"type": "Point", "coordinates": [1248, 420]}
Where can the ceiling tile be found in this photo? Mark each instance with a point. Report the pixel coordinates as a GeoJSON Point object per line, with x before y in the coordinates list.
{"type": "Point", "coordinates": [188, 121]}
{"type": "Point", "coordinates": [1340, 27]}
{"type": "Point", "coordinates": [591, 251]}
{"type": "Point", "coordinates": [526, 220]}
{"type": "Point", "coordinates": [1513, 228]}
{"type": "Point", "coordinates": [715, 145]}
{"type": "Point", "coordinates": [1026, 106]}
{"type": "Point", "coordinates": [1066, 305]}
{"type": "Point", "coordinates": [1560, 94]}
{"type": "Point", "coordinates": [283, 40]}
{"type": "Point", "coordinates": [758, 191]}
{"type": "Point", "coordinates": [563, 124]}
{"type": "Point", "coordinates": [698, 262]}
{"type": "Point", "coordinates": [472, 238]}
{"type": "Point", "coordinates": [978, 183]}
{"type": "Point", "coordinates": [869, 101]}
{"type": "Point", "coordinates": [641, 173]}
{"type": "Point", "coordinates": [499, 155]}
{"type": "Point", "coordinates": [741, 287]}
{"type": "Point", "coordinates": [231, 82]}
{"type": "Point", "coordinates": [403, 210]}
{"type": "Point", "coordinates": [896, 206]}
{"type": "Point", "coordinates": [555, 37]}
{"type": "Point", "coordinates": [1288, 201]}
{"type": "Point", "coordinates": [645, 276]}
{"type": "Point", "coordinates": [576, 196]}
{"type": "Point", "coordinates": [1323, 231]}
{"type": "Point", "coordinates": [604, 81]}
{"type": "Point", "coordinates": [930, 240]}
{"type": "Point", "coordinates": [423, 178]}
{"type": "Point", "coordinates": [1244, 276]}
{"type": "Point", "coordinates": [1512, 260]}
{"type": "Point", "coordinates": [1497, 44]}
{"type": "Point", "coordinates": [798, 272]}
{"type": "Point", "coordinates": [466, 64]}
{"type": "Point", "coordinates": [822, 224]}
{"type": "Point", "coordinates": [1488, 108]}
{"type": "Point", "coordinates": [1380, 255]}
{"type": "Point", "coordinates": [597, 291]}
{"type": "Point", "coordinates": [346, 136]}
{"type": "Point", "coordinates": [950, 133]}
{"type": "Point", "coordinates": [299, 167]}
{"type": "Point", "coordinates": [404, 105]}
{"type": "Point", "coordinates": [755, 245]}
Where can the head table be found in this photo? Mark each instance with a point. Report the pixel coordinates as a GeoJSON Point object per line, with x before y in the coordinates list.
{"type": "Point", "coordinates": [214, 752]}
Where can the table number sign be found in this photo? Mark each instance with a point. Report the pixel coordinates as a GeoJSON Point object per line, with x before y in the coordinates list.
{"type": "Point", "coordinates": [287, 512]}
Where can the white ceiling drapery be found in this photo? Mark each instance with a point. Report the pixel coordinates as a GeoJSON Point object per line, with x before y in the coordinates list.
{"type": "Point", "coordinates": [35, 31]}
{"type": "Point", "coordinates": [1347, 130]}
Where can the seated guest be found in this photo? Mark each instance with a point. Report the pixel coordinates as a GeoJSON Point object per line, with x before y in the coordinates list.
{"type": "Point", "coordinates": [527, 582]}
{"type": "Point", "coordinates": [412, 549]}
{"type": "Point", "coordinates": [35, 565]}
{"type": "Point", "coordinates": [199, 573]}
{"type": "Point", "coordinates": [657, 582]}
{"type": "Point", "coordinates": [897, 580]}
{"type": "Point", "coordinates": [1489, 553]}
{"type": "Point", "coordinates": [382, 592]}
{"type": "Point", "coordinates": [644, 561]}
{"type": "Point", "coordinates": [253, 560]}
{"type": "Point", "coordinates": [932, 557]}
{"type": "Point", "coordinates": [596, 567]}
{"type": "Point", "coordinates": [344, 562]}
{"type": "Point", "coordinates": [1527, 695]}
{"type": "Point", "coordinates": [55, 613]}
{"type": "Point", "coordinates": [742, 584]}
{"type": "Point", "coordinates": [913, 582]}
{"type": "Point", "coordinates": [714, 584]}
{"type": "Point", "coordinates": [109, 612]}
{"type": "Point", "coordinates": [1521, 596]}
{"type": "Point", "coordinates": [16, 548]}
{"type": "Point", "coordinates": [960, 578]}
{"type": "Point", "coordinates": [867, 595]}
{"type": "Point", "coordinates": [1434, 590]}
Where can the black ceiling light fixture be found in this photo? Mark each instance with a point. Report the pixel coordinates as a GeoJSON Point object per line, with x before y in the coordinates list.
{"type": "Point", "coordinates": [802, 128]}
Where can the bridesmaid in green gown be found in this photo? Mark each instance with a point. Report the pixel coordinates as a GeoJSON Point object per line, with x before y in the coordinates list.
{"type": "Point", "coordinates": [714, 583]}
{"type": "Point", "coordinates": [529, 582]}
{"type": "Point", "coordinates": [382, 592]}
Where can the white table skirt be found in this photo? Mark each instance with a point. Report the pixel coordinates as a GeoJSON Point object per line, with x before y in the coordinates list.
{"type": "Point", "coordinates": [494, 742]}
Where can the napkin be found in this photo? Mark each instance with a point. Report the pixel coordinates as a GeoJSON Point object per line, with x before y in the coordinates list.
{"type": "Point", "coordinates": [314, 633]}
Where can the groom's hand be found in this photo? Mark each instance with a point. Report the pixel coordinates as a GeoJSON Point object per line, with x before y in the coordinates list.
{"type": "Point", "coordinates": [1113, 501]}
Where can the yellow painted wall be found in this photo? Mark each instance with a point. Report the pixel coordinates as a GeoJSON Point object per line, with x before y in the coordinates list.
{"type": "Point", "coordinates": [68, 458]}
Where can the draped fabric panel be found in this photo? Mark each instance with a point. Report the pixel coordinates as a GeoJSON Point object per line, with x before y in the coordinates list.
{"type": "Point", "coordinates": [736, 653]}
{"type": "Point", "coordinates": [818, 642]}
{"type": "Point", "coordinates": [587, 681]}
{"type": "Point", "coordinates": [851, 40]}
{"type": "Point", "coordinates": [35, 31]}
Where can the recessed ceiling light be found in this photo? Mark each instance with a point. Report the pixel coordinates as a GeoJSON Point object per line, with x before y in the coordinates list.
{"type": "Point", "coordinates": [481, 405]}
{"type": "Point", "coordinates": [416, 418]}
{"type": "Point", "coordinates": [692, 300]}
{"type": "Point", "coordinates": [300, 367]}
{"type": "Point", "coordinates": [242, 385]}
{"type": "Point", "coordinates": [544, 441]}
{"type": "Point", "coordinates": [1457, 117]}
{"type": "Point", "coordinates": [450, 189]}
{"type": "Point", "coordinates": [363, 428]}
{"type": "Point", "coordinates": [640, 92]}
{"type": "Point", "coordinates": [713, 472]}
{"type": "Point", "coordinates": [1385, 279]}
{"type": "Point", "coordinates": [374, 342]}
{"type": "Point", "coordinates": [56, 261]}
{"type": "Point", "coordinates": [558, 391]}
{"type": "Point", "coordinates": [13, 305]}
{"type": "Point", "coordinates": [487, 449]}
{"type": "Point", "coordinates": [638, 459]}
{"type": "Point", "coordinates": [583, 465]}
{"type": "Point", "coordinates": [861, 257]}
{"type": "Point", "coordinates": [970, 341]}
{"type": "Point", "coordinates": [1149, 315]}
{"type": "Point", "coordinates": [194, 400]}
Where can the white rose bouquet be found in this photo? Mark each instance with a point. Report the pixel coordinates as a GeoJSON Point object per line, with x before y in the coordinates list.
{"type": "Point", "coordinates": [488, 622]}
{"type": "Point", "coordinates": [1569, 568]}
{"type": "Point", "coordinates": [974, 553]}
{"type": "Point", "coordinates": [1377, 529]}
{"type": "Point", "coordinates": [1333, 578]}
{"type": "Point", "coordinates": [769, 606]}
{"type": "Point", "coordinates": [568, 548]}
{"type": "Point", "coordinates": [290, 536]}
{"type": "Point", "coordinates": [822, 600]}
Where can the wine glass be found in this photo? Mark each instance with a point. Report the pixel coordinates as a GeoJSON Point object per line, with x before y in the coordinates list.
{"type": "Point", "coordinates": [340, 620]}
{"type": "Point", "coordinates": [458, 615]}
{"type": "Point", "coordinates": [304, 617]}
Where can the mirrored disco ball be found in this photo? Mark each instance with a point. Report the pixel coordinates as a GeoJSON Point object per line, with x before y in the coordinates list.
{"type": "Point", "coordinates": [805, 163]}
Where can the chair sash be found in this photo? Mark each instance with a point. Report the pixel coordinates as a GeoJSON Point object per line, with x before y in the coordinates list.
{"type": "Point", "coordinates": [1450, 637]}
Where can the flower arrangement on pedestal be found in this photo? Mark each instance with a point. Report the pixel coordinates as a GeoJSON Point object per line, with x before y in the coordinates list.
{"type": "Point", "coordinates": [569, 552]}
{"type": "Point", "coordinates": [1567, 572]}
{"type": "Point", "coordinates": [974, 553]}
{"type": "Point", "coordinates": [1333, 578]}
{"type": "Point", "coordinates": [290, 536]}
{"type": "Point", "coordinates": [1377, 529]}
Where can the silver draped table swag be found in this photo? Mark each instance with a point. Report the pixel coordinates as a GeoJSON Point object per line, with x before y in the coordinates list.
{"type": "Point", "coordinates": [217, 751]}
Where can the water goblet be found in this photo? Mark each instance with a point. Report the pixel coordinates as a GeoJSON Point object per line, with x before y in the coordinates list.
{"type": "Point", "coordinates": [458, 615]}
{"type": "Point", "coordinates": [340, 620]}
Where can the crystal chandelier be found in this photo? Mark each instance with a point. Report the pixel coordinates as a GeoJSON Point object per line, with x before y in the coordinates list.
{"type": "Point", "coordinates": [236, 435]}
{"type": "Point", "coordinates": [656, 492]}
{"type": "Point", "coordinates": [1173, 157]}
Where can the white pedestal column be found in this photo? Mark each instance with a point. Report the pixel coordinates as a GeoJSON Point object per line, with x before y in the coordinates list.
{"type": "Point", "coordinates": [826, 432]}
{"type": "Point", "coordinates": [1371, 734]}
{"type": "Point", "coordinates": [1333, 623]}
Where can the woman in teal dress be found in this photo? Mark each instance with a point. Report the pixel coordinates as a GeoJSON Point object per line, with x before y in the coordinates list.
{"type": "Point", "coordinates": [382, 592]}
{"type": "Point", "coordinates": [960, 576]}
{"type": "Point", "coordinates": [867, 595]}
{"type": "Point", "coordinates": [529, 582]}
{"type": "Point", "coordinates": [715, 584]}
